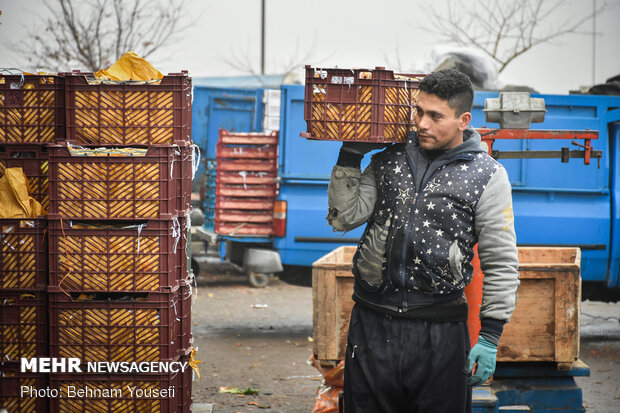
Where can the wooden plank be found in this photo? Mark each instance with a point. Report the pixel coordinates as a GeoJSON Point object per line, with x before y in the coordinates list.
{"type": "Point", "coordinates": [529, 335]}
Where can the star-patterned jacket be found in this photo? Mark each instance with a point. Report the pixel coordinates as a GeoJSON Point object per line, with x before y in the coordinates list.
{"type": "Point", "coordinates": [424, 217]}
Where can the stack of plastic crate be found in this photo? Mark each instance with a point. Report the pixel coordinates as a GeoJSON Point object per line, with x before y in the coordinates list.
{"type": "Point", "coordinates": [31, 116]}
{"type": "Point", "coordinates": [246, 183]}
{"type": "Point", "coordinates": [119, 286]}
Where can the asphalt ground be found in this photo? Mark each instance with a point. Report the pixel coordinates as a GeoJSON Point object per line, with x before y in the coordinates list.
{"type": "Point", "coordinates": [260, 339]}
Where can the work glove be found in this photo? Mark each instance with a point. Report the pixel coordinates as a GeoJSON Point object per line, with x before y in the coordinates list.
{"type": "Point", "coordinates": [362, 148]}
{"type": "Point", "coordinates": [483, 354]}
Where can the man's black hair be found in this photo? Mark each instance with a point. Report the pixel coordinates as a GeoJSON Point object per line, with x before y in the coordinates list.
{"type": "Point", "coordinates": [452, 86]}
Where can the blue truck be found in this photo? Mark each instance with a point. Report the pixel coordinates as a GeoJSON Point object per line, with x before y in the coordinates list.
{"type": "Point", "coordinates": [555, 203]}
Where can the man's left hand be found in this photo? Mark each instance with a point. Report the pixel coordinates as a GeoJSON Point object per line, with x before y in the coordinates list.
{"type": "Point", "coordinates": [483, 354]}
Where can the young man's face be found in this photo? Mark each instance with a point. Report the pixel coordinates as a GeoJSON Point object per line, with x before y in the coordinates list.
{"type": "Point", "coordinates": [438, 127]}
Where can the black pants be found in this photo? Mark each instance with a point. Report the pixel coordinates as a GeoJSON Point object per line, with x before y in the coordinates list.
{"type": "Point", "coordinates": [396, 365]}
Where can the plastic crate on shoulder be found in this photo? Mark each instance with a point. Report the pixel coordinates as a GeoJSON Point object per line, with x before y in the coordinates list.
{"type": "Point", "coordinates": [31, 108]}
{"type": "Point", "coordinates": [136, 393]}
{"type": "Point", "coordinates": [128, 113]}
{"type": "Point", "coordinates": [112, 256]}
{"type": "Point", "coordinates": [33, 160]}
{"type": "Point", "coordinates": [126, 183]}
{"type": "Point", "coordinates": [22, 254]}
{"type": "Point", "coordinates": [23, 325]}
{"type": "Point", "coordinates": [359, 104]}
{"type": "Point", "coordinates": [115, 327]}
{"type": "Point", "coordinates": [11, 382]}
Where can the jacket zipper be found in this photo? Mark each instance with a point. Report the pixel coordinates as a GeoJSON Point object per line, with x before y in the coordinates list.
{"type": "Point", "coordinates": [403, 294]}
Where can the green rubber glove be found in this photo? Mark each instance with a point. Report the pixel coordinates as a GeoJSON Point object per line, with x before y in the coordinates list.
{"type": "Point", "coordinates": [483, 354]}
{"type": "Point", "coordinates": [362, 148]}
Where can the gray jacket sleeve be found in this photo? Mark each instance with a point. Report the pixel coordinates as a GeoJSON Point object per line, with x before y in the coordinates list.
{"type": "Point", "coordinates": [351, 197]}
{"type": "Point", "coordinates": [497, 248]}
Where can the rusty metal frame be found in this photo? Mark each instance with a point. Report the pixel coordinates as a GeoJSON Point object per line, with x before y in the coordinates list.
{"type": "Point", "coordinates": [490, 135]}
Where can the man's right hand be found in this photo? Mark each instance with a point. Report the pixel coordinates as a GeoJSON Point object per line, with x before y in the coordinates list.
{"type": "Point", "coordinates": [362, 148]}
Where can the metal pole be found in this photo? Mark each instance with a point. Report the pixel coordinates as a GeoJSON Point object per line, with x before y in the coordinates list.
{"type": "Point", "coordinates": [593, 42]}
{"type": "Point", "coordinates": [262, 39]}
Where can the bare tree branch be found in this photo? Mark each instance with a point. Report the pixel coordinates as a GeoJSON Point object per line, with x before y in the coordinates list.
{"type": "Point", "coordinates": [92, 34]}
{"type": "Point", "coordinates": [503, 30]}
{"type": "Point", "coordinates": [246, 62]}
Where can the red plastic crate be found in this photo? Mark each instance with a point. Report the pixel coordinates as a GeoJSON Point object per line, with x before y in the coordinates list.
{"type": "Point", "coordinates": [245, 229]}
{"type": "Point", "coordinates": [11, 382]}
{"type": "Point", "coordinates": [128, 113]}
{"type": "Point", "coordinates": [359, 104]}
{"type": "Point", "coordinates": [23, 258]}
{"type": "Point", "coordinates": [244, 203]}
{"type": "Point", "coordinates": [31, 108]}
{"type": "Point", "coordinates": [248, 138]}
{"type": "Point", "coordinates": [250, 216]}
{"type": "Point", "coordinates": [23, 325]}
{"type": "Point", "coordinates": [120, 187]}
{"type": "Point", "coordinates": [248, 190]}
{"type": "Point", "coordinates": [97, 256]}
{"type": "Point", "coordinates": [246, 178]}
{"type": "Point", "coordinates": [247, 165]}
{"type": "Point", "coordinates": [33, 160]}
{"type": "Point", "coordinates": [180, 402]}
{"type": "Point", "coordinates": [110, 327]}
{"type": "Point", "coordinates": [247, 152]}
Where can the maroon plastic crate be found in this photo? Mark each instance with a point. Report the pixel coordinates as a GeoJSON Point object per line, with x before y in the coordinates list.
{"type": "Point", "coordinates": [125, 401]}
{"type": "Point", "coordinates": [100, 256]}
{"type": "Point", "coordinates": [248, 138]}
{"type": "Point", "coordinates": [187, 291]}
{"type": "Point", "coordinates": [359, 104]}
{"type": "Point", "coordinates": [33, 160]}
{"type": "Point", "coordinates": [128, 113]}
{"type": "Point", "coordinates": [115, 327]}
{"type": "Point", "coordinates": [11, 382]}
{"type": "Point", "coordinates": [23, 325]}
{"type": "Point", "coordinates": [23, 257]}
{"type": "Point", "coordinates": [31, 108]}
{"type": "Point", "coordinates": [246, 178]}
{"type": "Point", "coordinates": [248, 190]}
{"type": "Point", "coordinates": [120, 187]}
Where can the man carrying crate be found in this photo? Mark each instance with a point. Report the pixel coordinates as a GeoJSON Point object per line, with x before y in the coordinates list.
{"type": "Point", "coordinates": [426, 203]}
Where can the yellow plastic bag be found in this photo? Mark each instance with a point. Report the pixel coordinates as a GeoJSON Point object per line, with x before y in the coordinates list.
{"type": "Point", "coordinates": [130, 67]}
{"type": "Point", "coordinates": [15, 201]}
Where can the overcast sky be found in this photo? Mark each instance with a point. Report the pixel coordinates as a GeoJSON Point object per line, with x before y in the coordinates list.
{"type": "Point", "coordinates": [346, 34]}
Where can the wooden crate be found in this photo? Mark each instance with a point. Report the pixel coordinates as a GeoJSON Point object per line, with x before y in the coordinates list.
{"type": "Point", "coordinates": [545, 323]}
{"type": "Point", "coordinates": [544, 326]}
{"type": "Point", "coordinates": [332, 289]}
